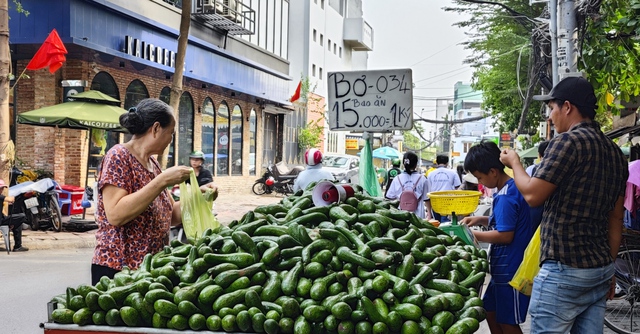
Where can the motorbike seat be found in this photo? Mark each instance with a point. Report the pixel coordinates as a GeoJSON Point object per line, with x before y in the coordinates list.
{"type": "Point", "coordinates": [287, 177]}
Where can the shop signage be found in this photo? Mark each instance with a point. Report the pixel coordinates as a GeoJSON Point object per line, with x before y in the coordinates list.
{"type": "Point", "coordinates": [373, 101]}
{"type": "Point", "coordinates": [506, 141]}
{"type": "Point", "coordinates": [141, 49]}
{"type": "Point", "coordinates": [351, 144]}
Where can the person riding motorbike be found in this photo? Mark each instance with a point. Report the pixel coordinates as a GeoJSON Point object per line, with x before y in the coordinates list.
{"type": "Point", "coordinates": [314, 171]}
{"type": "Point", "coordinates": [14, 221]}
{"type": "Point", "coordinates": [392, 173]}
{"type": "Point", "coordinates": [196, 160]}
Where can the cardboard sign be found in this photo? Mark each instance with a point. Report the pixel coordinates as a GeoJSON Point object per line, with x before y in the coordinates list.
{"type": "Point", "coordinates": [374, 101]}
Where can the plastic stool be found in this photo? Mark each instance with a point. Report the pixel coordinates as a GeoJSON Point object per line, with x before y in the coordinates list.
{"type": "Point", "coordinates": [5, 235]}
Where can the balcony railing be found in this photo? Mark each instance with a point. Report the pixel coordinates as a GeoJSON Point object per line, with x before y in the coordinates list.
{"type": "Point", "coordinates": [230, 15]}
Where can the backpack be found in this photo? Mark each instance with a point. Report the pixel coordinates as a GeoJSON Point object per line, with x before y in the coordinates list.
{"type": "Point", "coordinates": [408, 199]}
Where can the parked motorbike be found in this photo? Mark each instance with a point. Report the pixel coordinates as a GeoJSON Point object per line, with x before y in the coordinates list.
{"type": "Point", "coordinates": [278, 178]}
{"type": "Point", "coordinates": [39, 203]}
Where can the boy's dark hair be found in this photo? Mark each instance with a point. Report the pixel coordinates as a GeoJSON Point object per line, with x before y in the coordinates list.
{"type": "Point", "coordinates": [482, 157]}
{"type": "Point", "coordinates": [442, 159]}
{"type": "Point", "coordinates": [542, 147]}
{"type": "Point", "coordinates": [410, 161]}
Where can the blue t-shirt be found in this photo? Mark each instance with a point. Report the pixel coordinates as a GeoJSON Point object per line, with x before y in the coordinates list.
{"type": "Point", "coordinates": [510, 213]}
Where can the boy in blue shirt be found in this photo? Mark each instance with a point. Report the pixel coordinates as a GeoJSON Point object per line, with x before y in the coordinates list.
{"type": "Point", "coordinates": [509, 233]}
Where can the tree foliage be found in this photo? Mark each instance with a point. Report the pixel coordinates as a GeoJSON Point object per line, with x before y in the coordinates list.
{"type": "Point", "coordinates": [507, 42]}
{"type": "Point", "coordinates": [310, 135]}
{"type": "Point", "coordinates": [501, 47]}
{"type": "Point", "coordinates": [610, 52]}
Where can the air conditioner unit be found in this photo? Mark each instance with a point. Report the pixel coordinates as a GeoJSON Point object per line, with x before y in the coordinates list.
{"type": "Point", "coordinates": [212, 6]}
{"type": "Point", "coordinates": [230, 10]}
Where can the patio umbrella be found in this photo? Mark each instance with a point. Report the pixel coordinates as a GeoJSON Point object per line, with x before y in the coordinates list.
{"type": "Point", "coordinates": [388, 152]}
{"type": "Point", "coordinates": [88, 110]}
{"type": "Point", "coordinates": [378, 156]}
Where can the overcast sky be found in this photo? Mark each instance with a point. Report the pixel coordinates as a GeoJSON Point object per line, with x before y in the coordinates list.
{"type": "Point", "coordinates": [420, 35]}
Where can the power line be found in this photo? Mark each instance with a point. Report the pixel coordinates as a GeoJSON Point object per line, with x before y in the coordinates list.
{"type": "Point", "coordinates": [441, 74]}
{"type": "Point", "coordinates": [456, 43]}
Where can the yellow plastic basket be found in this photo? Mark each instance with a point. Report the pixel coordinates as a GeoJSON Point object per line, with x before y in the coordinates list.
{"type": "Point", "coordinates": [462, 202]}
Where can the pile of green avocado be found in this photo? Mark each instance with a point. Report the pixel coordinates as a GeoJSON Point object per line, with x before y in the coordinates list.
{"type": "Point", "coordinates": [360, 267]}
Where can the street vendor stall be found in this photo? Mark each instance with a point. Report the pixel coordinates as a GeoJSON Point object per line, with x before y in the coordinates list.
{"type": "Point", "coordinates": [91, 110]}
{"type": "Point", "coordinates": [289, 268]}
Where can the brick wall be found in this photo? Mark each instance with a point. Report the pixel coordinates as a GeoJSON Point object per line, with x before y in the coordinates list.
{"type": "Point", "coordinates": [64, 151]}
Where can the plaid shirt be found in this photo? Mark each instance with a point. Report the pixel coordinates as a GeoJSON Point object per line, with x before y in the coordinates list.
{"type": "Point", "coordinates": [590, 173]}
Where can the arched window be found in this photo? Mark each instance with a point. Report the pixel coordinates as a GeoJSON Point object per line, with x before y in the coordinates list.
{"type": "Point", "coordinates": [222, 139]}
{"type": "Point", "coordinates": [165, 96]}
{"type": "Point", "coordinates": [236, 140]}
{"type": "Point", "coordinates": [185, 128]}
{"type": "Point", "coordinates": [136, 92]}
{"type": "Point", "coordinates": [102, 82]}
{"type": "Point", "coordinates": [252, 142]}
{"type": "Point", "coordinates": [208, 130]}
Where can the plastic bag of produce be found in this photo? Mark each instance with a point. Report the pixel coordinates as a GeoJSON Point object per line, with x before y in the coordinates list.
{"type": "Point", "coordinates": [195, 209]}
{"type": "Point", "coordinates": [523, 279]}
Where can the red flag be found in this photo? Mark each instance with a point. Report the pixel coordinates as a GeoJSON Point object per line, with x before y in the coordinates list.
{"type": "Point", "coordinates": [296, 95]}
{"type": "Point", "coordinates": [51, 54]}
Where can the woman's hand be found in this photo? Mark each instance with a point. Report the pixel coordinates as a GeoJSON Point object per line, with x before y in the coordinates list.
{"type": "Point", "coordinates": [176, 175]}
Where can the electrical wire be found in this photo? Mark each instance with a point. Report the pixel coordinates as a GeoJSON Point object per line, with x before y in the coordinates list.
{"type": "Point", "coordinates": [454, 44]}
{"type": "Point", "coordinates": [518, 71]}
{"type": "Point", "coordinates": [441, 74]}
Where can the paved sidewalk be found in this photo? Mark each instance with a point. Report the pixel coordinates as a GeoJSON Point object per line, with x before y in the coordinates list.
{"type": "Point", "coordinates": [228, 207]}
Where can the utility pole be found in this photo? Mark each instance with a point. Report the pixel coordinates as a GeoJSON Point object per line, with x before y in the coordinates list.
{"type": "Point", "coordinates": [553, 34]}
{"type": "Point", "coordinates": [567, 55]}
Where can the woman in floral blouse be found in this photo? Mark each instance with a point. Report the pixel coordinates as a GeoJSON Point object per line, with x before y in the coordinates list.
{"type": "Point", "coordinates": [135, 211]}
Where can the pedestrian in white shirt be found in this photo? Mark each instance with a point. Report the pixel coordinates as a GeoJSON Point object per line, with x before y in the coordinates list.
{"type": "Point", "coordinates": [442, 179]}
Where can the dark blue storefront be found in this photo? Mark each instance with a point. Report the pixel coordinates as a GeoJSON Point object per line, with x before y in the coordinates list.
{"type": "Point", "coordinates": [102, 26]}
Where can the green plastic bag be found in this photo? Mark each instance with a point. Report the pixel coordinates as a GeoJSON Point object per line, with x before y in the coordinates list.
{"type": "Point", "coordinates": [195, 210]}
{"type": "Point", "coordinates": [367, 172]}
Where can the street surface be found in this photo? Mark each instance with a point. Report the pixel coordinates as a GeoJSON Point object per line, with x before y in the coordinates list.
{"type": "Point", "coordinates": [30, 279]}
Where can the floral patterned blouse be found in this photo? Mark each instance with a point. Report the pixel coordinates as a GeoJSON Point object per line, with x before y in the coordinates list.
{"type": "Point", "coordinates": [128, 244]}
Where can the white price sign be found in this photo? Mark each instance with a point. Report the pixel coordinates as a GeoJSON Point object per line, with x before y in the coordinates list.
{"type": "Point", "coordinates": [373, 101]}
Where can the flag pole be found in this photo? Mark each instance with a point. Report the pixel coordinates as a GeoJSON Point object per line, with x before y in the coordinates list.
{"type": "Point", "coordinates": [18, 79]}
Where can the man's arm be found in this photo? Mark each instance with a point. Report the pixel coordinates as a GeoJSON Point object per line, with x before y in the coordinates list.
{"type": "Point", "coordinates": [534, 190]}
{"type": "Point", "coordinates": [616, 217]}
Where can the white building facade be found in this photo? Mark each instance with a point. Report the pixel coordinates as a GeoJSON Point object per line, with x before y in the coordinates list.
{"type": "Point", "coordinates": [327, 36]}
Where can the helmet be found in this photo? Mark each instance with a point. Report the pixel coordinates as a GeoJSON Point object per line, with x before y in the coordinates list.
{"type": "Point", "coordinates": [395, 162]}
{"type": "Point", "coordinates": [312, 157]}
{"type": "Point", "coordinates": [196, 155]}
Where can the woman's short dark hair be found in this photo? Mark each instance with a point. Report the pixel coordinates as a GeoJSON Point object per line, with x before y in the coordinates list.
{"type": "Point", "coordinates": [148, 111]}
{"type": "Point", "coordinates": [482, 157]}
{"type": "Point", "coordinates": [410, 161]}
